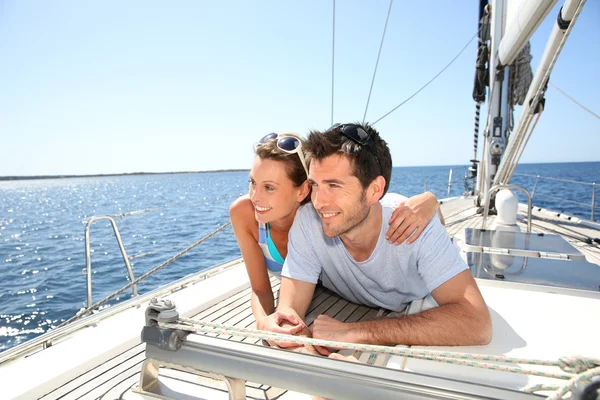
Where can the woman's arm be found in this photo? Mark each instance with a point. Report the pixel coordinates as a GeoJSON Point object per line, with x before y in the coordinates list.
{"type": "Point", "coordinates": [411, 217]}
{"type": "Point", "coordinates": [244, 225]}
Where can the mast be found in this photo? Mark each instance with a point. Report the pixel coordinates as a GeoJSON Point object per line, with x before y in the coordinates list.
{"type": "Point", "coordinates": [496, 134]}
{"type": "Point", "coordinates": [513, 22]}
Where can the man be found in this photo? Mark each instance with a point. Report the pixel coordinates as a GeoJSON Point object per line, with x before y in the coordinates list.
{"type": "Point", "coordinates": [340, 239]}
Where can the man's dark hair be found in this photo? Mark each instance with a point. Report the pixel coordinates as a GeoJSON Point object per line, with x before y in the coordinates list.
{"type": "Point", "coordinates": [368, 162]}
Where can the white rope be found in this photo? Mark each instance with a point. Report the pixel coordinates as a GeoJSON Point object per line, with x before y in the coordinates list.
{"type": "Point", "coordinates": [558, 394]}
{"type": "Point", "coordinates": [570, 365]}
{"type": "Point", "coordinates": [585, 368]}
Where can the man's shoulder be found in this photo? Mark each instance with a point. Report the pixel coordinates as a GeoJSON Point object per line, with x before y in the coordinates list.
{"type": "Point", "coordinates": [392, 200]}
{"type": "Point", "coordinates": [432, 232]}
{"type": "Point", "coordinates": [306, 213]}
{"type": "Point", "coordinates": [306, 219]}
{"type": "Point", "coordinates": [307, 224]}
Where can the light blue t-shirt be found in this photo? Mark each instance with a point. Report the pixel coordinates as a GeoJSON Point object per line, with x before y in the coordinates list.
{"type": "Point", "coordinates": [390, 278]}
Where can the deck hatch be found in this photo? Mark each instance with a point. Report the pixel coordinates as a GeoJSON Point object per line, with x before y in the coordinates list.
{"type": "Point", "coordinates": [520, 244]}
{"type": "Point", "coordinates": [536, 271]}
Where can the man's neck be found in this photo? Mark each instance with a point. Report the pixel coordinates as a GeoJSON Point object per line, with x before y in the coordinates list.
{"type": "Point", "coordinates": [361, 240]}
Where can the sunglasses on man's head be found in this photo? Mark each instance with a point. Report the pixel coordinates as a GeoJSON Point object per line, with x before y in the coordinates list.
{"type": "Point", "coordinates": [358, 135]}
{"type": "Point", "coordinates": [287, 143]}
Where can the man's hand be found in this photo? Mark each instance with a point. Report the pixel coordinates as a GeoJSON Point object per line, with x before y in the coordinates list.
{"type": "Point", "coordinates": [410, 218]}
{"type": "Point", "coordinates": [327, 328]}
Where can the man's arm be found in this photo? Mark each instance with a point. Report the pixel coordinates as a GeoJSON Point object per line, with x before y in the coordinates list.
{"type": "Point", "coordinates": [300, 274]}
{"type": "Point", "coordinates": [461, 319]}
{"type": "Point", "coordinates": [294, 298]}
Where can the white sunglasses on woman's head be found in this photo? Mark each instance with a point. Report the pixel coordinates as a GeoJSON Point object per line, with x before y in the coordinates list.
{"type": "Point", "coordinates": [287, 143]}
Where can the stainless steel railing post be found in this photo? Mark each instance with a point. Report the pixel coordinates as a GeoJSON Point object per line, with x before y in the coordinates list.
{"type": "Point", "coordinates": [593, 199]}
{"type": "Point", "coordinates": [88, 256]}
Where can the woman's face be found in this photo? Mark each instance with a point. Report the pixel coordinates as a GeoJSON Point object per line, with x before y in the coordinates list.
{"type": "Point", "coordinates": [272, 192]}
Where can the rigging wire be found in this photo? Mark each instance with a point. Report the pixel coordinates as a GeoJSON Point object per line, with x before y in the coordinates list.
{"type": "Point", "coordinates": [377, 62]}
{"type": "Point", "coordinates": [575, 101]}
{"type": "Point", "coordinates": [332, 61]}
{"type": "Point", "coordinates": [430, 81]}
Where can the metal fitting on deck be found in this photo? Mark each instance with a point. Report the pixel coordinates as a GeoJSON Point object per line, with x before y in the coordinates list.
{"type": "Point", "coordinates": [160, 310]}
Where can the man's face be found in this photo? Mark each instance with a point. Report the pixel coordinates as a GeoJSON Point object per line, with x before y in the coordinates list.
{"type": "Point", "coordinates": [337, 195]}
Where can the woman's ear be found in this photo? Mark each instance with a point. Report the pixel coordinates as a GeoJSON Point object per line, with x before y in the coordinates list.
{"type": "Point", "coordinates": [304, 191]}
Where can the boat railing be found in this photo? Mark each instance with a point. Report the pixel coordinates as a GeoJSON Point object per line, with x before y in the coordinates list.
{"type": "Point", "coordinates": [592, 205]}
{"type": "Point", "coordinates": [85, 317]}
{"type": "Point", "coordinates": [451, 182]}
{"type": "Point", "coordinates": [593, 185]}
{"type": "Point", "coordinates": [49, 338]}
{"type": "Point", "coordinates": [126, 259]}
{"type": "Point", "coordinates": [88, 255]}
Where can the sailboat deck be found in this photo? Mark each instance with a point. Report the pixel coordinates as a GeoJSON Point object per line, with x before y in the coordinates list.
{"type": "Point", "coordinates": [463, 215]}
{"type": "Point", "coordinates": [115, 378]}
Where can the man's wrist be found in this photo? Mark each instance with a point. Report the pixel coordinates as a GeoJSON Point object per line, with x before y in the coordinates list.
{"type": "Point", "coordinates": [358, 332]}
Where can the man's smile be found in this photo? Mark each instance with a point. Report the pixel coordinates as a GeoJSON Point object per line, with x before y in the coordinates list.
{"type": "Point", "coordinates": [326, 216]}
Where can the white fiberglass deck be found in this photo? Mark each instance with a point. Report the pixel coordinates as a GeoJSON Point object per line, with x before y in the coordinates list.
{"type": "Point", "coordinates": [527, 323]}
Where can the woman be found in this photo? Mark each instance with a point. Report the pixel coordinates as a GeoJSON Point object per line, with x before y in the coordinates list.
{"type": "Point", "coordinates": [262, 219]}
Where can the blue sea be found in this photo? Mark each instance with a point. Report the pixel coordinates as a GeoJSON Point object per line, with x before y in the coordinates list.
{"type": "Point", "coordinates": [42, 250]}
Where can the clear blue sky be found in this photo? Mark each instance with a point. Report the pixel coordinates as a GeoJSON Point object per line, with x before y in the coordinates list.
{"type": "Point", "coordinates": [114, 86]}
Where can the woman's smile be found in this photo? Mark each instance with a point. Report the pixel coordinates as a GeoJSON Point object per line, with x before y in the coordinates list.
{"type": "Point", "coordinates": [261, 209]}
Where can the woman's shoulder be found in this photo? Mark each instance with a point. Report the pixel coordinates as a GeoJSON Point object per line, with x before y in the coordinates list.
{"type": "Point", "coordinates": [241, 205]}
{"type": "Point", "coordinates": [241, 212]}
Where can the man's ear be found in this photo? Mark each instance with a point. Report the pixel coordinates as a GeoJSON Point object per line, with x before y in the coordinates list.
{"type": "Point", "coordinates": [304, 191]}
{"type": "Point", "coordinates": [375, 190]}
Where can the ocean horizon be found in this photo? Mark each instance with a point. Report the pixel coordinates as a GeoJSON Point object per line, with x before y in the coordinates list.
{"type": "Point", "coordinates": [69, 176]}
